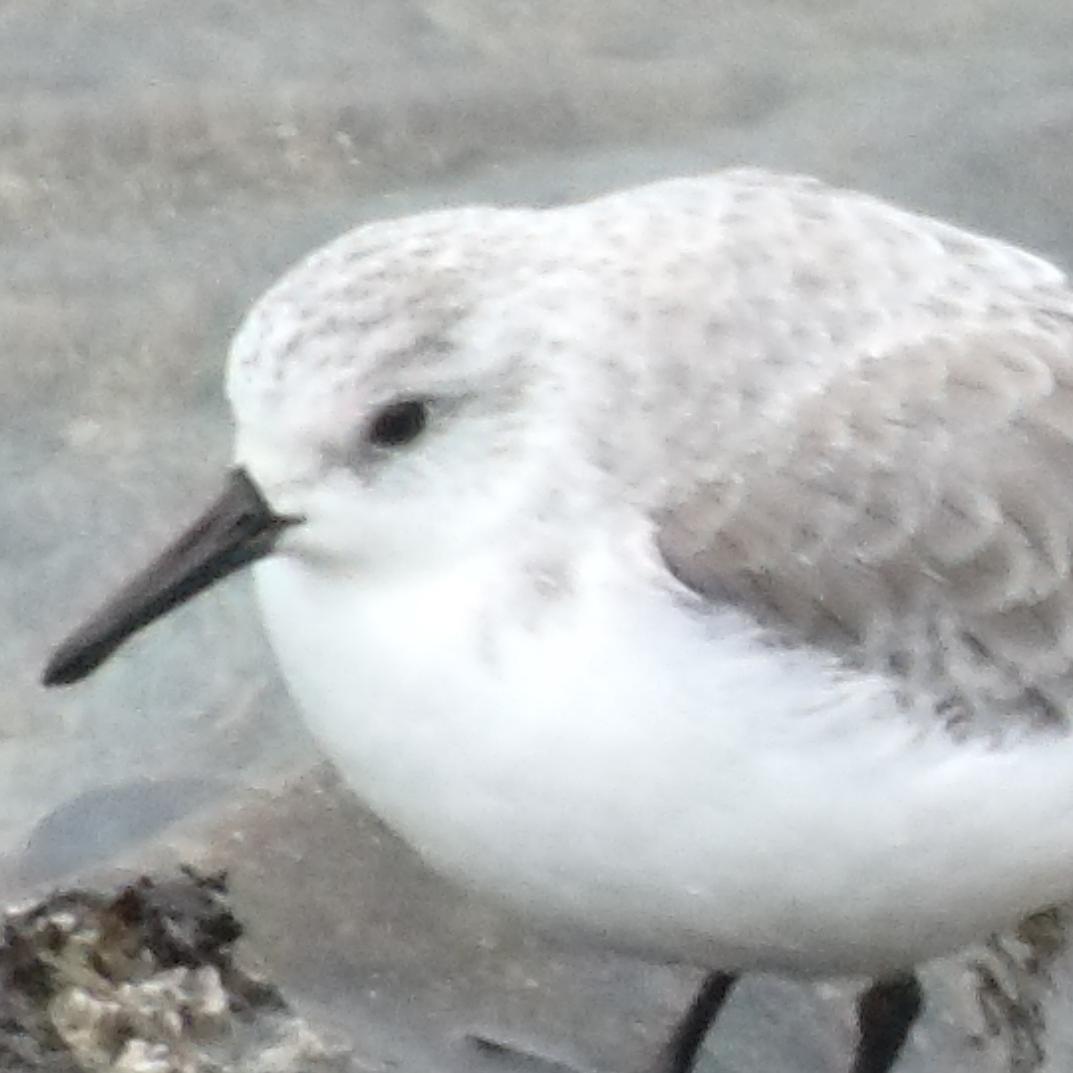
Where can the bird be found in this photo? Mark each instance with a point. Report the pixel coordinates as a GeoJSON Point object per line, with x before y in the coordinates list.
{"type": "Point", "coordinates": [686, 568]}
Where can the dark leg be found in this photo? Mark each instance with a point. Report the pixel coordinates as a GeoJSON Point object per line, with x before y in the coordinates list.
{"type": "Point", "coordinates": [885, 1014]}
{"type": "Point", "coordinates": [681, 1049]}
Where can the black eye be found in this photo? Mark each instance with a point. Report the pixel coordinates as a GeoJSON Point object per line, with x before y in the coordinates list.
{"type": "Point", "coordinates": [399, 424]}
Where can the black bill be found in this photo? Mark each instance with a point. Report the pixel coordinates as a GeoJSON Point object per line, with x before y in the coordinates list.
{"type": "Point", "coordinates": [237, 529]}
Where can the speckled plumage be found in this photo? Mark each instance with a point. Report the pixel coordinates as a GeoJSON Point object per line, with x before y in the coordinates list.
{"type": "Point", "coordinates": [721, 612]}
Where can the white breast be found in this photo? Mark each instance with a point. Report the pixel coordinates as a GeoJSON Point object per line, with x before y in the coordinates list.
{"type": "Point", "coordinates": [662, 782]}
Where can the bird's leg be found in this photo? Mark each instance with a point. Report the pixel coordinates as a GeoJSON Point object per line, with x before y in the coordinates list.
{"type": "Point", "coordinates": [885, 1014]}
{"type": "Point", "coordinates": [680, 1051]}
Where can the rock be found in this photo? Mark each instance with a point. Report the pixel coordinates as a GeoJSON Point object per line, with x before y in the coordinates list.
{"type": "Point", "coordinates": [143, 980]}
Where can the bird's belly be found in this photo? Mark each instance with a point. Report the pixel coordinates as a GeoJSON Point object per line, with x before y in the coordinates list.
{"type": "Point", "coordinates": [630, 777]}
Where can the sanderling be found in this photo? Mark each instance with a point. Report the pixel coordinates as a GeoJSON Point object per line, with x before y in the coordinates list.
{"type": "Point", "coordinates": [688, 568]}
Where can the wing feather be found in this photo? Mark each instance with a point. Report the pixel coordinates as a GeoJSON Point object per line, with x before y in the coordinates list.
{"type": "Point", "coordinates": [914, 513]}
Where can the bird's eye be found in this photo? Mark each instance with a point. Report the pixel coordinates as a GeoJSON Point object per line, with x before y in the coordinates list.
{"type": "Point", "coordinates": [399, 424]}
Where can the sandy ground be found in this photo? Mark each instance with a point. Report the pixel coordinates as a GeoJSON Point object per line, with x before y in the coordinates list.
{"type": "Point", "coordinates": [161, 161]}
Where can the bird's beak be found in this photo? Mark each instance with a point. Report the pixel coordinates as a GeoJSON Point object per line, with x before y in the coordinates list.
{"type": "Point", "coordinates": [237, 529]}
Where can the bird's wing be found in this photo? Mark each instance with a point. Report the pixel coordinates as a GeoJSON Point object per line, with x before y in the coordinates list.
{"type": "Point", "coordinates": [912, 511]}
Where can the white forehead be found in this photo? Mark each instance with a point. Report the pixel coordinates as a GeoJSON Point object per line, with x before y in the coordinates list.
{"type": "Point", "coordinates": [395, 295]}
{"type": "Point", "coordinates": [379, 298]}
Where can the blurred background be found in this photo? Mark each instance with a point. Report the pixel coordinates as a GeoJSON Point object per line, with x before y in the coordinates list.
{"type": "Point", "coordinates": [161, 161]}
